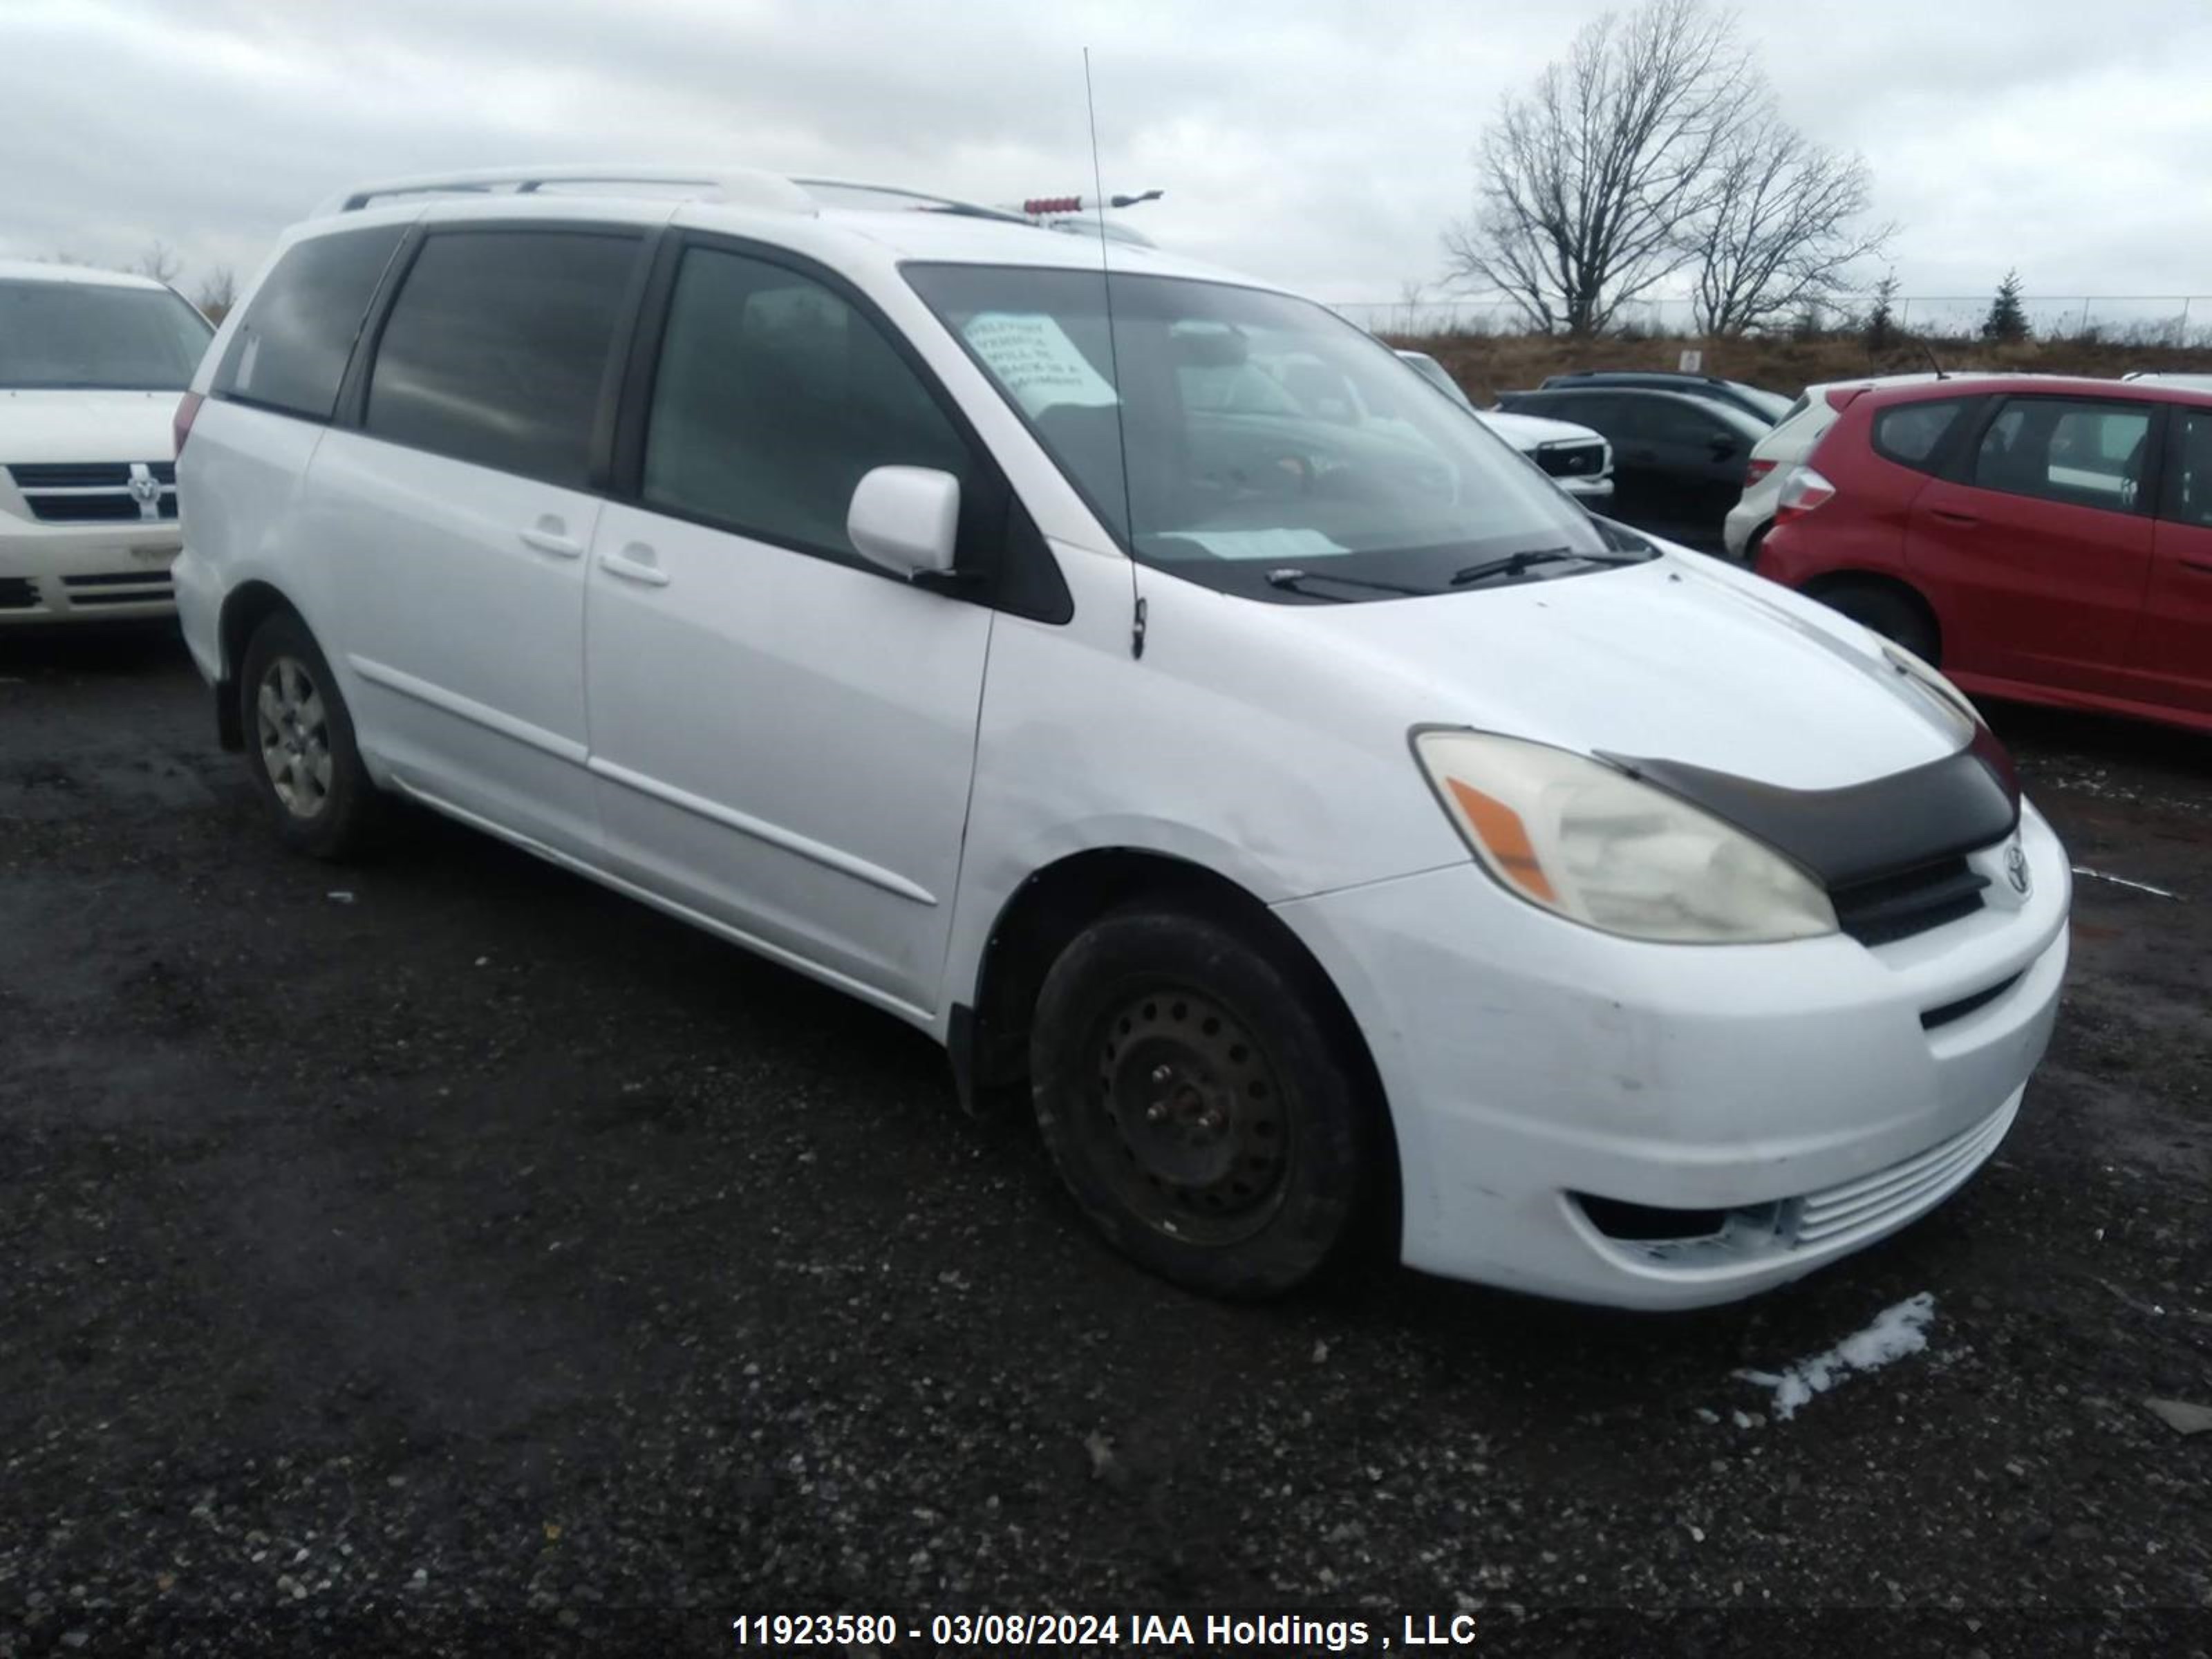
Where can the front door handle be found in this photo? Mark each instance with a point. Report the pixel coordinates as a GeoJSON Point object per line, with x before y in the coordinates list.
{"type": "Point", "coordinates": [1949, 517]}
{"type": "Point", "coordinates": [2198, 564]}
{"type": "Point", "coordinates": [635, 564]}
{"type": "Point", "coordinates": [549, 535]}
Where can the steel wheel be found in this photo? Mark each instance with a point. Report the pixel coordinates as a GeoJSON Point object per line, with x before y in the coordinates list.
{"type": "Point", "coordinates": [1188, 1128]}
{"type": "Point", "coordinates": [293, 730]}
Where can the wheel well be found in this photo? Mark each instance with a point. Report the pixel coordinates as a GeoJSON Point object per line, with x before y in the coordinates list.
{"type": "Point", "coordinates": [1837, 581]}
{"type": "Point", "coordinates": [244, 610]}
{"type": "Point", "coordinates": [1046, 912]}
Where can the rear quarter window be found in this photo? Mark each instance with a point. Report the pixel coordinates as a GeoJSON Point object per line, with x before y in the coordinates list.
{"type": "Point", "coordinates": [290, 350]}
{"type": "Point", "coordinates": [495, 351]}
{"type": "Point", "coordinates": [1912, 435]}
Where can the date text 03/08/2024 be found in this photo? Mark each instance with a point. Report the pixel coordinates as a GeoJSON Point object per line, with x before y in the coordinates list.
{"type": "Point", "coordinates": [1135, 1631]}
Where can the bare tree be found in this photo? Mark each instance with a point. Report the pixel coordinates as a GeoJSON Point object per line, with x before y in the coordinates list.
{"type": "Point", "coordinates": [159, 260]}
{"type": "Point", "coordinates": [1780, 228]}
{"type": "Point", "coordinates": [1584, 183]}
{"type": "Point", "coordinates": [1413, 294]}
{"type": "Point", "coordinates": [218, 293]}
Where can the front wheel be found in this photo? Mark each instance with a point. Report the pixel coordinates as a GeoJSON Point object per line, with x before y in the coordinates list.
{"type": "Point", "coordinates": [1195, 1097]}
{"type": "Point", "coordinates": [300, 744]}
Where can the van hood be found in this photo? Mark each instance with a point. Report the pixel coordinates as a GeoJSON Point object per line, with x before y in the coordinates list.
{"type": "Point", "coordinates": [1525, 432]}
{"type": "Point", "coordinates": [86, 426]}
{"type": "Point", "coordinates": [1680, 659]}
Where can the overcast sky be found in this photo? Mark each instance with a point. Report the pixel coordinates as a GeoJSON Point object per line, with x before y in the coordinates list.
{"type": "Point", "coordinates": [1319, 145]}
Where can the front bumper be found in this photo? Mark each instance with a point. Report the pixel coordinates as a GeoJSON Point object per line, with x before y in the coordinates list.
{"type": "Point", "coordinates": [1794, 1089]}
{"type": "Point", "coordinates": [86, 572]}
{"type": "Point", "coordinates": [1590, 492]}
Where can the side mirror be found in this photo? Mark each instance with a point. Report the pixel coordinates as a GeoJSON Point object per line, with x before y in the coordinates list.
{"type": "Point", "coordinates": [906, 519]}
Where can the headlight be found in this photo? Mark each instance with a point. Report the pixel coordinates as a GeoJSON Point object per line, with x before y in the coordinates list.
{"type": "Point", "coordinates": [1932, 683]}
{"type": "Point", "coordinates": [1590, 843]}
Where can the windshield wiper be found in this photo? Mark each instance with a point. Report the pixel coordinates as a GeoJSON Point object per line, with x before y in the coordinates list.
{"type": "Point", "coordinates": [1290, 580]}
{"type": "Point", "coordinates": [1514, 563]}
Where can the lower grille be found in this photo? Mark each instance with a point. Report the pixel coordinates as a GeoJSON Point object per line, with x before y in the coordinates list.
{"type": "Point", "coordinates": [1867, 1204]}
{"type": "Point", "coordinates": [120, 588]}
{"type": "Point", "coordinates": [16, 594]}
{"type": "Point", "coordinates": [1950, 1012]}
{"type": "Point", "coordinates": [1579, 459]}
{"type": "Point", "coordinates": [118, 579]}
{"type": "Point", "coordinates": [1891, 907]}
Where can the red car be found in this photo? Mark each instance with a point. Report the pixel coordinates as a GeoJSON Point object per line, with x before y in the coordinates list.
{"type": "Point", "coordinates": [2042, 539]}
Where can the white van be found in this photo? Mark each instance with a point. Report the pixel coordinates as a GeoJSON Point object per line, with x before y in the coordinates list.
{"type": "Point", "coordinates": [1325, 821]}
{"type": "Point", "coordinates": [91, 362]}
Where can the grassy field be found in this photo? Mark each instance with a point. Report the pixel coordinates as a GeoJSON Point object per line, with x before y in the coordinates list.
{"type": "Point", "coordinates": [1488, 365]}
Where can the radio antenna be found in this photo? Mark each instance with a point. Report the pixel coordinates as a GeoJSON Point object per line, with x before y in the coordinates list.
{"type": "Point", "coordinates": [1114, 365]}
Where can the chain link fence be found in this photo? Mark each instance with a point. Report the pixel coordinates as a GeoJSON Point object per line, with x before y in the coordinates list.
{"type": "Point", "coordinates": [2177, 320]}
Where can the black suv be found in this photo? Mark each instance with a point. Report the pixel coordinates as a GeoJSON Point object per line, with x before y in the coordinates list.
{"type": "Point", "coordinates": [1677, 460]}
{"type": "Point", "coordinates": [1768, 406]}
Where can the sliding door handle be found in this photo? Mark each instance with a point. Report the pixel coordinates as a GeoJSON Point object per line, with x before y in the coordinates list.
{"type": "Point", "coordinates": [547, 536]}
{"type": "Point", "coordinates": [635, 564]}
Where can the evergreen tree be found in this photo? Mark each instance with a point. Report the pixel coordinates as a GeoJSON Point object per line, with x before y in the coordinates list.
{"type": "Point", "coordinates": [2006, 322]}
{"type": "Point", "coordinates": [1882, 321]}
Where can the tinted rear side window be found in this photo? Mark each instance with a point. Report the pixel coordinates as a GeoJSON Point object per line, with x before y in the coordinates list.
{"type": "Point", "coordinates": [291, 346]}
{"type": "Point", "coordinates": [496, 349]}
{"type": "Point", "coordinates": [1913, 434]}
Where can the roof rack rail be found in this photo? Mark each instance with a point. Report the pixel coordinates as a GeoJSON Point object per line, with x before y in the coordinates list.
{"type": "Point", "coordinates": [925, 200]}
{"type": "Point", "coordinates": [743, 186]}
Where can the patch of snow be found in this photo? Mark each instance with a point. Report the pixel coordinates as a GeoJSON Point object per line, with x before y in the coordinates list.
{"type": "Point", "coordinates": [1895, 1333]}
{"type": "Point", "coordinates": [2122, 881]}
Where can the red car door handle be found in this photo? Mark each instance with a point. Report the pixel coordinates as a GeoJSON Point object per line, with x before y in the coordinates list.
{"type": "Point", "coordinates": [2198, 564]}
{"type": "Point", "coordinates": [1949, 517]}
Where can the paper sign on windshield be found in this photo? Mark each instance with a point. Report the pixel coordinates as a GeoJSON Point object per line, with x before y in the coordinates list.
{"type": "Point", "coordinates": [1037, 362]}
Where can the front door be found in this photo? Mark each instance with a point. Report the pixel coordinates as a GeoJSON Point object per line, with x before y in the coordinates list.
{"type": "Point", "coordinates": [782, 734]}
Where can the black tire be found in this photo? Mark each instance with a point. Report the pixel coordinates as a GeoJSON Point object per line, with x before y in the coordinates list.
{"type": "Point", "coordinates": [300, 748]}
{"type": "Point", "coordinates": [1194, 1095]}
{"type": "Point", "coordinates": [1891, 613]}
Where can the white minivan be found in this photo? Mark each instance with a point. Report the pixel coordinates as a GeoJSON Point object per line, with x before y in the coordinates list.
{"type": "Point", "coordinates": [91, 362]}
{"type": "Point", "coordinates": [1331, 827]}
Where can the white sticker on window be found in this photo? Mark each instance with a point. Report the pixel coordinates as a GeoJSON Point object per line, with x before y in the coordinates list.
{"type": "Point", "coordinates": [1032, 356]}
{"type": "Point", "coordinates": [1287, 545]}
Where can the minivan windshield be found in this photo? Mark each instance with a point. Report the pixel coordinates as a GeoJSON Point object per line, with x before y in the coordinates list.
{"type": "Point", "coordinates": [91, 336]}
{"type": "Point", "coordinates": [1273, 449]}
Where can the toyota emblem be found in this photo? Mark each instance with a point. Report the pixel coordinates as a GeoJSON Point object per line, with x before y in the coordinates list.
{"type": "Point", "coordinates": [2016, 869]}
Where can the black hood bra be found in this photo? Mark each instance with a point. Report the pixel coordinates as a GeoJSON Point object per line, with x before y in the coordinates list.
{"type": "Point", "coordinates": [1864, 832]}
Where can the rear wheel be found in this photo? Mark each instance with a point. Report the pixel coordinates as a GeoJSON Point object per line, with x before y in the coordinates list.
{"type": "Point", "coordinates": [1195, 1096]}
{"type": "Point", "coordinates": [300, 744]}
{"type": "Point", "coordinates": [1890, 612]}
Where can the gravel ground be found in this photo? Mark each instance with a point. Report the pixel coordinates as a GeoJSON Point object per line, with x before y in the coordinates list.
{"type": "Point", "coordinates": [446, 1255]}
